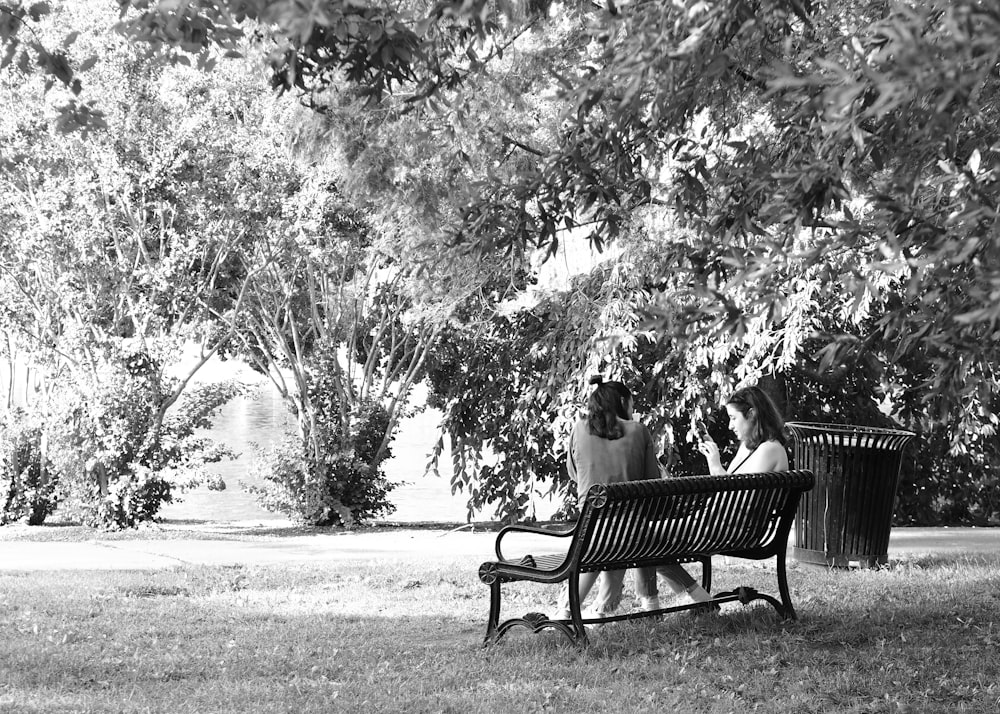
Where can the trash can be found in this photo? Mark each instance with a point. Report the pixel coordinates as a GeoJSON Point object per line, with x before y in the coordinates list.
{"type": "Point", "coordinates": [845, 520]}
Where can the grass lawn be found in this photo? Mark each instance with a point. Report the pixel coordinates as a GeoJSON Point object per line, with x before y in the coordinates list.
{"type": "Point", "coordinates": [922, 635]}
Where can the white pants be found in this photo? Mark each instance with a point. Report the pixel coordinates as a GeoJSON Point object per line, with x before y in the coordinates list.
{"type": "Point", "coordinates": [609, 594]}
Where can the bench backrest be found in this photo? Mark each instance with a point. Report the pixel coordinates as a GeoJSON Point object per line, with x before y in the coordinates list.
{"type": "Point", "coordinates": [644, 521]}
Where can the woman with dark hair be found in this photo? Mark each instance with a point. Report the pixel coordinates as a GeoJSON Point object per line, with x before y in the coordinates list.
{"type": "Point", "coordinates": [607, 447]}
{"type": "Point", "coordinates": [759, 427]}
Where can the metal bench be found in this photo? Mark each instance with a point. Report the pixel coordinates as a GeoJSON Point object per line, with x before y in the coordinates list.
{"type": "Point", "coordinates": [649, 523]}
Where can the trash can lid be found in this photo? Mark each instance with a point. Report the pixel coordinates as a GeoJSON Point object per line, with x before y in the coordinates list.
{"type": "Point", "coordinates": [850, 434]}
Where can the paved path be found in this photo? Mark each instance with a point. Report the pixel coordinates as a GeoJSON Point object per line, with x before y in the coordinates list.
{"type": "Point", "coordinates": [393, 545]}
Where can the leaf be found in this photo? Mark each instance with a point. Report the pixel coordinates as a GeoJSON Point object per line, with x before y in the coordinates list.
{"type": "Point", "coordinates": [973, 163]}
{"type": "Point", "coordinates": [8, 56]}
{"type": "Point", "coordinates": [39, 10]}
{"type": "Point", "coordinates": [566, 84]}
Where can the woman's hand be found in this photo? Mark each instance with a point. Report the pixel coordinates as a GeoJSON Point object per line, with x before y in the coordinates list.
{"type": "Point", "coordinates": [711, 451]}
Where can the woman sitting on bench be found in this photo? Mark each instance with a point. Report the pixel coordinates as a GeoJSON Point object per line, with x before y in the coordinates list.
{"type": "Point", "coordinates": [759, 427]}
{"type": "Point", "coordinates": [607, 447]}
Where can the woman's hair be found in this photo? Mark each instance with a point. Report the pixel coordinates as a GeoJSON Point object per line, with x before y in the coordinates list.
{"type": "Point", "coordinates": [766, 422]}
{"type": "Point", "coordinates": [606, 406]}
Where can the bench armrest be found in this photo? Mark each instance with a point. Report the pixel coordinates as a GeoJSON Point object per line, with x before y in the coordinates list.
{"type": "Point", "coordinates": [535, 530]}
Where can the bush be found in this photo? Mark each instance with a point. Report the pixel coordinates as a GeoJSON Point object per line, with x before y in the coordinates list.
{"type": "Point", "coordinates": [119, 458]}
{"type": "Point", "coordinates": [344, 486]}
{"type": "Point", "coordinates": [27, 481]}
{"type": "Point", "coordinates": [940, 488]}
{"type": "Point", "coordinates": [937, 486]}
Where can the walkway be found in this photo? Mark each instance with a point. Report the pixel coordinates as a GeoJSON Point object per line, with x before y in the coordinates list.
{"type": "Point", "coordinates": [402, 545]}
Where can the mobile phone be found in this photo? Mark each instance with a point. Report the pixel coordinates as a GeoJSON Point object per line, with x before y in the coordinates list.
{"type": "Point", "coordinates": [702, 429]}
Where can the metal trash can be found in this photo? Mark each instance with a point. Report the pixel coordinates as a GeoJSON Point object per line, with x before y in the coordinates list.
{"type": "Point", "coordinates": [846, 518]}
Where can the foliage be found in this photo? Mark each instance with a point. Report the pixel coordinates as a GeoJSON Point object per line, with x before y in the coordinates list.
{"type": "Point", "coordinates": [378, 48]}
{"type": "Point", "coordinates": [119, 256]}
{"type": "Point", "coordinates": [783, 136]}
{"type": "Point", "coordinates": [117, 459]}
{"type": "Point", "coordinates": [802, 150]}
{"type": "Point", "coordinates": [949, 472]}
{"type": "Point", "coordinates": [326, 319]}
{"type": "Point", "coordinates": [864, 127]}
{"type": "Point", "coordinates": [345, 485]}
{"type": "Point", "coordinates": [209, 229]}
{"type": "Point", "coordinates": [512, 381]}
{"type": "Point", "coordinates": [940, 488]}
{"type": "Point", "coordinates": [784, 162]}
{"type": "Point", "coordinates": [25, 50]}
{"type": "Point", "coordinates": [27, 482]}
{"type": "Point", "coordinates": [490, 381]}
{"type": "Point", "coordinates": [508, 417]}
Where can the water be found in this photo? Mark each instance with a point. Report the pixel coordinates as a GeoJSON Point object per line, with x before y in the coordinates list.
{"type": "Point", "coordinates": [261, 419]}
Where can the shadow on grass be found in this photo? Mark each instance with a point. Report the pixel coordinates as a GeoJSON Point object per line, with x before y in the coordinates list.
{"type": "Point", "coordinates": [928, 561]}
{"type": "Point", "coordinates": [352, 638]}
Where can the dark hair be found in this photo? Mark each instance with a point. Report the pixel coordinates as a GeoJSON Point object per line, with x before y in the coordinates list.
{"type": "Point", "coordinates": [766, 422]}
{"type": "Point", "coordinates": [605, 406]}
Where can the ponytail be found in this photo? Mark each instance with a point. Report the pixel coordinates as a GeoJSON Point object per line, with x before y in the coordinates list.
{"type": "Point", "coordinates": [605, 407]}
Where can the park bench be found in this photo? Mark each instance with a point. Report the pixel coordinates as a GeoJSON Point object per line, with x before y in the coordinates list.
{"type": "Point", "coordinates": [648, 523]}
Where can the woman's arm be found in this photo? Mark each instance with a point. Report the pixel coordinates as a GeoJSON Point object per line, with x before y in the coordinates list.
{"type": "Point", "coordinates": [570, 459]}
{"type": "Point", "coordinates": [651, 467]}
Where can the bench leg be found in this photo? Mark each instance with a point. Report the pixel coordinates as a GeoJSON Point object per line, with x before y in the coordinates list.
{"type": "Point", "coordinates": [578, 633]}
{"type": "Point", "coordinates": [746, 595]}
{"type": "Point", "coordinates": [786, 598]}
{"type": "Point", "coordinates": [706, 574]}
{"type": "Point", "coordinates": [492, 633]}
{"type": "Point", "coordinates": [536, 622]}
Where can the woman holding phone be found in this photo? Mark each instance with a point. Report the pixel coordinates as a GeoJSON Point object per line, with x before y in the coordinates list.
{"type": "Point", "coordinates": [759, 427]}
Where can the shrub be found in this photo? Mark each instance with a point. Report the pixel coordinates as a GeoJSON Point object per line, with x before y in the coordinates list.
{"type": "Point", "coordinates": [344, 486]}
{"type": "Point", "coordinates": [27, 481]}
{"type": "Point", "coordinates": [938, 486]}
{"type": "Point", "coordinates": [120, 458]}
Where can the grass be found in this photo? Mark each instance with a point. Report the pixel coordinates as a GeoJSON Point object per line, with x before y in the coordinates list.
{"type": "Point", "coordinates": [919, 636]}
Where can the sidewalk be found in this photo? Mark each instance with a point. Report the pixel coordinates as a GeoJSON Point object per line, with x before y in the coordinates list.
{"type": "Point", "coordinates": [396, 545]}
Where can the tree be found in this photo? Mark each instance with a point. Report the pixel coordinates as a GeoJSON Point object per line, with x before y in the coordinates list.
{"type": "Point", "coordinates": [784, 134]}
{"type": "Point", "coordinates": [313, 284]}
{"type": "Point", "coordinates": [329, 321]}
{"type": "Point", "coordinates": [791, 156]}
{"type": "Point", "coordinates": [117, 252]}
{"type": "Point", "coordinates": [26, 50]}
{"type": "Point", "coordinates": [828, 157]}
